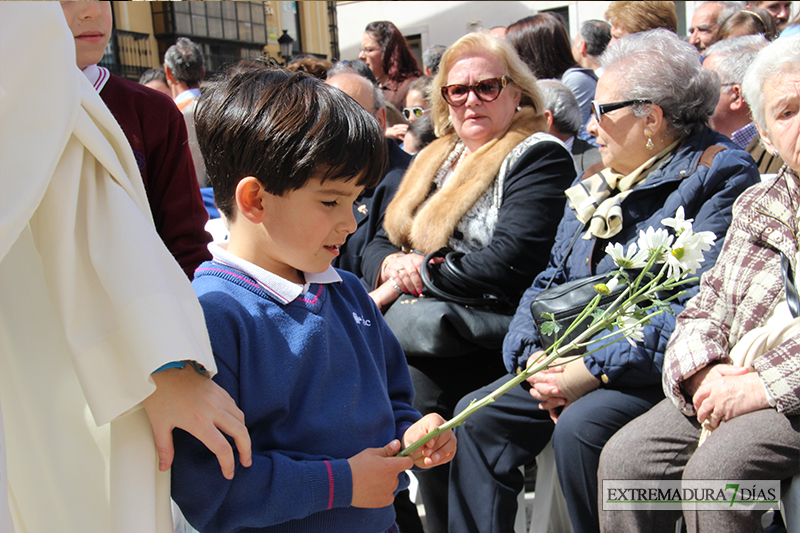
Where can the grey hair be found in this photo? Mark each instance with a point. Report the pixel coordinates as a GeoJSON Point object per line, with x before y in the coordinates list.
{"type": "Point", "coordinates": [562, 103]}
{"type": "Point", "coordinates": [431, 57]}
{"type": "Point", "coordinates": [781, 56]}
{"type": "Point", "coordinates": [596, 34]}
{"type": "Point", "coordinates": [736, 54]}
{"type": "Point", "coordinates": [185, 60]}
{"type": "Point", "coordinates": [658, 66]}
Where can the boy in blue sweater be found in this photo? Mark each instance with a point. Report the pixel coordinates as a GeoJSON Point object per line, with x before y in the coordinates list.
{"type": "Point", "coordinates": [299, 345]}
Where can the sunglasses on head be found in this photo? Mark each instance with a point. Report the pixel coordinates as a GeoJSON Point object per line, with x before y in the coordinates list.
{"type": "Point", "coordinates": [485, 90]}
{"type": "Point", "coordinates": [416, 111]}
{"type": "Point", "coordinates": [600, 109]}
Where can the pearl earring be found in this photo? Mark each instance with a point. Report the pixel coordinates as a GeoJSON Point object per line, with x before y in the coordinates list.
{"type": "Point", "coordinates": [649, 143]}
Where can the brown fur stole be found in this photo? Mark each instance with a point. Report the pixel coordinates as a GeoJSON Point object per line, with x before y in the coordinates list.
{"type": "Point", "coordinates": [411, 223]}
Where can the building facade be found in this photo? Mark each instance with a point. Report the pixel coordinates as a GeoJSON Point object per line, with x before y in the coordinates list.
{"type": "Point", "coordinates": [226, 31]}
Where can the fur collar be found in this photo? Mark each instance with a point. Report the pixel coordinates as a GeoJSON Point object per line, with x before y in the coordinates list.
{"type": "Point", "coordinates": [412, 223]}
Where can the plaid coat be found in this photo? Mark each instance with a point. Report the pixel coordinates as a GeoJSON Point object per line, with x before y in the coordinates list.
{"type": "Point", "coordinates": [740, 292]}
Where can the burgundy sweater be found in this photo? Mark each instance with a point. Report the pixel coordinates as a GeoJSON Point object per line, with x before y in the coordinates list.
{"type": "Point", "coordinates": [157, 133]}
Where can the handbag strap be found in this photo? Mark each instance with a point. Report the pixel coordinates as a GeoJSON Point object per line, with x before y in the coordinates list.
{"type": "Point", "coordinates": [792, 298]}
{"type": "Point", "coordinates": [490, 294]}
{"type": "Point", "coordinates": [564, 259]}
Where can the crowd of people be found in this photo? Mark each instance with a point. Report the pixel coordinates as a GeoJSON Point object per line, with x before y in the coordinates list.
{"type": "Point", "coordinates": [207, 260]}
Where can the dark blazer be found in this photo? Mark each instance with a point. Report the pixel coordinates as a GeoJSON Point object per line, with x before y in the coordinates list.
{"type": "Point", "coordinates": [533, 199]}
{"type": "Point", "coordinates": [369, 209]}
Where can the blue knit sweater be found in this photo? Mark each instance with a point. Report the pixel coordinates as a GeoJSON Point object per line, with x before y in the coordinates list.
{"type": "Point", "coordinates": [319, 380]}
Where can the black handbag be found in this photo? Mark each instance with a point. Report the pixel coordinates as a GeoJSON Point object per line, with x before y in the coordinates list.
{"type": "Point", "coordinates": [441, 324]}
{"type": "Point", "coordinates": [566, 301]}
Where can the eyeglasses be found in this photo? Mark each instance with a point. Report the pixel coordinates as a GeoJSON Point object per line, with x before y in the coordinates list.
{"type": "Point", "coordinates": [600, 109]}
{"type": "Point", "coordinates": [416, 111]}
{"type": "Point", "coordinates": [485, 90]}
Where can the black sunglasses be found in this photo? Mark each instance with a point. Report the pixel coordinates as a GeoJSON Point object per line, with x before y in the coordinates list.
{"type": "Point", "coordinates": [486, 90]}
{"type": "Point", "coordinates": [600, 109]}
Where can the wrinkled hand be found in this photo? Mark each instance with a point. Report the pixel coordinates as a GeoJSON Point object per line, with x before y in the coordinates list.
{"type": "Point", "coordinates": [435, 452]}
{"type": "Point", "coordinates": [404, 270]}
{"type": "Point", "coordinates": [191, 401]}
{"type": "Point", "coordinates": [544, 388]}
{"type": "Point", "coordinates": [727, 392]}
{"type": "Point", "coordinates": [398, 131]}
{"type": "Point", "coordinates": [375, 472]}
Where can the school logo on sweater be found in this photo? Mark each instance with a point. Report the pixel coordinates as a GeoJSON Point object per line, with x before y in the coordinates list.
{"type": "Point", "coordinates": [361, 320]}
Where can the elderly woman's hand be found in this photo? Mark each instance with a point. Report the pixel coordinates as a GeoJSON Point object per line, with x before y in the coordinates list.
{"type": "Point", "coordinates": [403, 269]}
{"type": "Point", "coordinates": [726, 392]}
{"type": "Point", "coordinates": [544, 388]}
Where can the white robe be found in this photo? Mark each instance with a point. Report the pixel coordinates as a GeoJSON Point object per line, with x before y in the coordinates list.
{"type": "Point", "coordinates": [91, 301]}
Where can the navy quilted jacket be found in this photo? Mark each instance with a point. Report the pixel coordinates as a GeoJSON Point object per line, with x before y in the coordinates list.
{"type": "Point", "coordinates": [707, 195]}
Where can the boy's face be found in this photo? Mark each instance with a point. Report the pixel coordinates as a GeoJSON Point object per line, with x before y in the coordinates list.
{"type": "Point", "coordinates": [90, 23]}
{"type": "Point", "coordinates": [307, 226]}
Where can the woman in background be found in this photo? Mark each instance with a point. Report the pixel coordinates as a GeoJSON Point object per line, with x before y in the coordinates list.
{"type": "Point", "coordinates": [386, 52]}
{"type": "Point", "coordinates": [543, 44]}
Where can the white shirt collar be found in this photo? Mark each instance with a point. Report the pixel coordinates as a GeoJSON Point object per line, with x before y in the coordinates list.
{"type": "Point", "coordinates": [97, 76]}
{"type": "Point", "coordinates": [281, 288]}
{"type": "Point", "coordinates": [187, 95]}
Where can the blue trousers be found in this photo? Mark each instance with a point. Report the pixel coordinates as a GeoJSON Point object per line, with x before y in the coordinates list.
{"type": "Point", "coordinates": [485, 478]}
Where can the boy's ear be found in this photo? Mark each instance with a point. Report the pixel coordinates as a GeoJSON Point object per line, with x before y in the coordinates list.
{"type": "Point", "coordinates": [249, 195]}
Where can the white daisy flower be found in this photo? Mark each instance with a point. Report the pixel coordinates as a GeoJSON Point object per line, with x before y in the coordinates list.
{"type": "Point", "coordinates": [687, 253]}
{"type": "Point", "coordinates": [627, 324]}
{"type": "Point", "coordinates": [655, 242]}
{"type": "Point", "coordinates": [678, 223]}
{"type": "Point", "coordinates": [629, 260]}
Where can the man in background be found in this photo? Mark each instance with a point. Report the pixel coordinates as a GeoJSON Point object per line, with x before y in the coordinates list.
{"type": "Point", "coordinates": [780, 10]}
{"type": "Point", "coordinates": [563, 116]}
{"type": "Point", "coordinates": [184, 67]}
{"type": "Point", "coordinates": [431, 57]}
{"type": "Point", "coordinates": [706, 22]}
{"type": "Point", "coordinates": [590, 43]}
{"type": "Point", "coordinates": [730, 58]}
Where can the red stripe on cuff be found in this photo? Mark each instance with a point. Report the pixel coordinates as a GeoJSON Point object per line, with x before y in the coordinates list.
{"type": "Point", "coordinates": [330, 485]}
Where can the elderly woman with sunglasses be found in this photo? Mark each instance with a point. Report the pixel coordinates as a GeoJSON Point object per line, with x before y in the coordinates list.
{"type": "Point", "coordinates": [492, 186]}
{"type": "Point", "coordinates": [649, 117]}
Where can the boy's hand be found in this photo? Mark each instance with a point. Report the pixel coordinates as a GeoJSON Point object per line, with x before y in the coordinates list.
{"type": "Point", "coordinates": [436, 451]}
{"type": "Point", "coordinates": [375, 472]}
{"type": "Point", "coordinates": [189, 400]}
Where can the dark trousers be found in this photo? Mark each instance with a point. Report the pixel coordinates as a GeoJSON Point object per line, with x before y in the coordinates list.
{"type": "Point", "coordinates": [439, 383]}
{"type": "Point", "coordinates": [485, 476]}
{"type": "Point", "coordinates": [662, 445]}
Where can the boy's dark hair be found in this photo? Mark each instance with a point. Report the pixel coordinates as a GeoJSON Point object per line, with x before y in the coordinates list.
{"type": "Point", "coordinates": [282, 128]}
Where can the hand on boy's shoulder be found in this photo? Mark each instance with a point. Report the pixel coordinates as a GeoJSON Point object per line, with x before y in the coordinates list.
{"type": "Point", "coordinates": [375, 474]}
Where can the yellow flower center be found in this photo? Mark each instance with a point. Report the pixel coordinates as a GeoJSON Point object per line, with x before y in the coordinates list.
{"type": "Point", "coordinates": [678, 253]}
{"type": "Point", "coordinates": [602, 289]}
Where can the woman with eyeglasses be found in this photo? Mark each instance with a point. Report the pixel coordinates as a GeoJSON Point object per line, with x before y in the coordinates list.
{"type": "Point", "coordinates": [650, 117]}
{"type": "Point", "coordinates": [386, 52]}
{"type": "Point", "coordinates": [491, 186]}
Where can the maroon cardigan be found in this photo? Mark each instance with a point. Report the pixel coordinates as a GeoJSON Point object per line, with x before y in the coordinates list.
{"type": "Point", "coordinates": [157, 133]}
